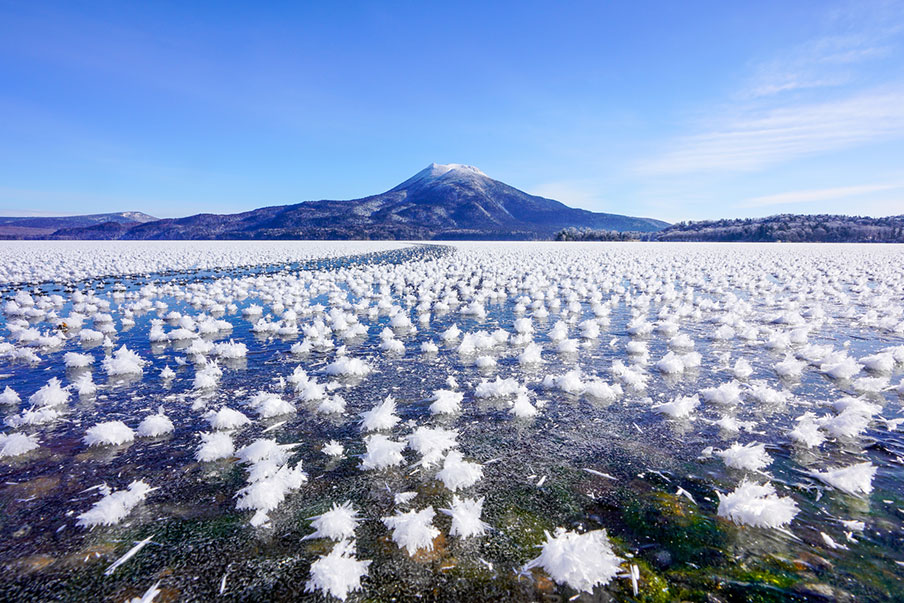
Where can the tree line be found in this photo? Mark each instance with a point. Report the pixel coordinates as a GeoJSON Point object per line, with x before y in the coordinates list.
{"type": "Point", "coordinates": [792, 228]}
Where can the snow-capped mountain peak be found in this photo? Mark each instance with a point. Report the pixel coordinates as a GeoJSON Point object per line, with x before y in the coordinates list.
{"type": "Point", "coordinates": [440, 169]}
{"type": "Point", "coordinates": [443, 171]}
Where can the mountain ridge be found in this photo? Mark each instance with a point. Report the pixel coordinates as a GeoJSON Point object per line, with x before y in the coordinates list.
{"type": "Point", "coordinates": [442, 201]}
{"type": "Point", "coordinates": [18, 227]}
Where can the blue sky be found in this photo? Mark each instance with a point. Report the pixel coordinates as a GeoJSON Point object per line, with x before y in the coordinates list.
{"type": "Point", "coordinates": [674, 110]}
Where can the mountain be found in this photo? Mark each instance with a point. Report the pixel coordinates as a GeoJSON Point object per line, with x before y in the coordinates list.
{"type": "Point", "coordinates": [440, 202]}
{"type": "Point", "coordinates": [39, 227]}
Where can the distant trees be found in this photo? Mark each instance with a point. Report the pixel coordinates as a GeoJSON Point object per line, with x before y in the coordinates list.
{"type": "Point", "coordinates": [588, 234]}
{"type": "Point", "coordinates": [785, 227]}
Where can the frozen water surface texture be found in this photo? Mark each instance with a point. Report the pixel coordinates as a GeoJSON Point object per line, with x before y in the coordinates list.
{"type": "Point", "coordinates": [466, 421]}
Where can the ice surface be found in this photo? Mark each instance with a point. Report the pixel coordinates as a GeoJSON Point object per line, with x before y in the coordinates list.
{"type": "Point", "coordinates": [512, 387]}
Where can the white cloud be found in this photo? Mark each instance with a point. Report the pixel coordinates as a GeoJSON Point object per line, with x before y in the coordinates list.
{"type": "Point", "coordinates": [825, 94]}
{"type": "Point", "coordinates": [824, 62]}
{"type": "Point", "coordinates": [812, 196]}
{"type": "Point", "coordinates": [762, 138]}
{"type": "Point", "coordinates": [851, 34]}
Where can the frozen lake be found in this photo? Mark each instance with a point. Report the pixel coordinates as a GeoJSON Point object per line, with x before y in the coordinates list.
{"type": "Point", "coordinates": [177, 413]}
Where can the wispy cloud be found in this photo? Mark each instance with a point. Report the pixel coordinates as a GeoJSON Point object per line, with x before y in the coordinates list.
{"type": "Point", "coordinates": [853, 34]}
{"type": "Point", "coordinates": [828, 93]}
{"type": "Point", "coordinates": [824, 62]}
{"type": "Point", "coordinates": [761, 138]}
{"type": "Point", "coordinates": [819, 195]}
